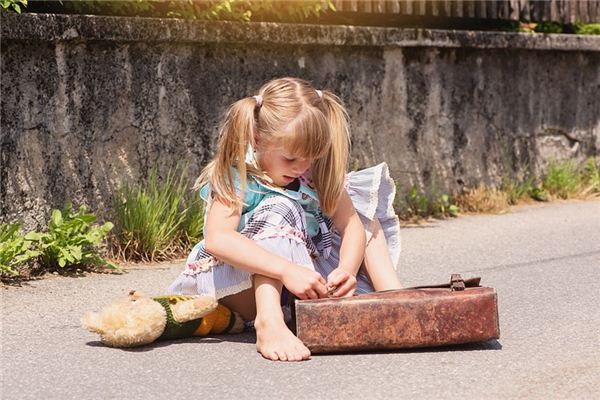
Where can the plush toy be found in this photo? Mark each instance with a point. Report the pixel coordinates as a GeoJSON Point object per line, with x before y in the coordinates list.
{"type": "Point", "coordinates": [137, 320]}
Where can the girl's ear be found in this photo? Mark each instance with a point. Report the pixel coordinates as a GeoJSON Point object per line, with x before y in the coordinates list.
{"type": "Point", "coordinates": [256, 138]}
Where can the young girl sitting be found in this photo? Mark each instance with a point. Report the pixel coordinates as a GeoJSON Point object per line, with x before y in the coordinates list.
{"type": "Point", "coordinates": [281, 211]}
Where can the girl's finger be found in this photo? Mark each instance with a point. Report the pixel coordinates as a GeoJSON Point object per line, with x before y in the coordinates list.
{"type": "Point", "coordinates": [312, 294]}
{"type": "Point", "coordinates": [301, 296]}
{"type": "Point", "coordinates": [338, 279]}
{"type": "Point", "coordinates": [321, 291]}
{"type": "Point", "coordinates": [348, 287]}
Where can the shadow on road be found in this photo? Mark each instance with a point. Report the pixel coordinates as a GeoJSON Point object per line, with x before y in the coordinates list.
{"type": "Point", "coordinates": [250, 338]}
{"type": "Point", "coordinates": [489, 345]}
{"type": "Point", "coordinates": [241, 338]}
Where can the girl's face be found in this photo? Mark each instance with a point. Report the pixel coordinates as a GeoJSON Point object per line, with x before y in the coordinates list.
{"type": "Point", "coordinates": [279, 165]}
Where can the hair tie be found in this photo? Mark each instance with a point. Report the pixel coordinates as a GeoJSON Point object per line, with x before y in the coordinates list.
{"type": "Point", "coordinates": [320, 93]}
{"type": "Point", "coordinates": [259, 100]}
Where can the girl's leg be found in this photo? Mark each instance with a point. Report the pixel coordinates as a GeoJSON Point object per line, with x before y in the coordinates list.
{"type": "Point", "coordinates": [243, 303]}
{"type": "Point", "coordinates": [262, 304]}
{"type": "Point", "coordinates": [273, 338]}
{"type": "Point", "coordinates": [378, 263]}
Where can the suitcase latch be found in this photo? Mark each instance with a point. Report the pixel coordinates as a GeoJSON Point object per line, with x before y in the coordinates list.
{"type": "Point", "coordinates": [456, 283]}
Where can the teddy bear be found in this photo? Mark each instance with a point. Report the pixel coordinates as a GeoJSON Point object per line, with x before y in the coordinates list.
{"type": "Point", "coordinates": [137, 320]}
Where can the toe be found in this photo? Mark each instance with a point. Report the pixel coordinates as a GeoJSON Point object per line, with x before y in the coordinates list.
{"type": "Point", "coordinates": [281, 356]}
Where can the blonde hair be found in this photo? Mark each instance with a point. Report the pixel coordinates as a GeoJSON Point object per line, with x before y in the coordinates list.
{"type": "Point", "coordinates": [294, 115]}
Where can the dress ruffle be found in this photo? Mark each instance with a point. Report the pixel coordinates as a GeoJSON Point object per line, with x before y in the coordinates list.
{"type": "Point", "coordinates": [372, 192]}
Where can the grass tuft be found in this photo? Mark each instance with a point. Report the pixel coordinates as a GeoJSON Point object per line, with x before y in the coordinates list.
{"type": "Point", "coordinates": [157, 220]}
{"type": "Point", "coordinates": [563, 180]}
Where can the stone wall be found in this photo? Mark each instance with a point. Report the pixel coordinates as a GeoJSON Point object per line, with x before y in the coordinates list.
{"type": "Point", "coordinates": [88, 102]}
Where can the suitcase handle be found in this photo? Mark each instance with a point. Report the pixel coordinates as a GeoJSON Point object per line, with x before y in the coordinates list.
{"type": "Point", "coordinates": [457, 283]}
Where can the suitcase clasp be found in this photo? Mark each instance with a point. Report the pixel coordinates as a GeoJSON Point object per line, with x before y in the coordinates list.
{"type": "Point", "coordinates": [456, 283]}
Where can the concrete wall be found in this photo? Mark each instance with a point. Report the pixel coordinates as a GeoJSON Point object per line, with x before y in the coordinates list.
{"type": "Point", "coordinates": [90, 101]}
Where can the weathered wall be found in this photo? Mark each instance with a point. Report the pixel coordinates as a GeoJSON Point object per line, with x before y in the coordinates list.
{"type": "Point", "coordinates": [90, 101]}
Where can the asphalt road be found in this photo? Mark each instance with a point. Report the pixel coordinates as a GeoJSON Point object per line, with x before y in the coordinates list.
{"type": "Point", "coordinates": [543, 260]}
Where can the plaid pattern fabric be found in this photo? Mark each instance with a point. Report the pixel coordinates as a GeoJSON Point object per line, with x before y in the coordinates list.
{"type": "Point", "coordinates": [273, 214]}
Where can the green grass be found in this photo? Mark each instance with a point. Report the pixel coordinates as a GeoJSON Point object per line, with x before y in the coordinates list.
{"type": "Point", "coordinates": [157, 220]}
{"type": "Point", "coordinates": [563, 179]}
{"type": "Point", "coordinates": [587, 29]}
{"type": "Point", "coordinates": [591, 176]}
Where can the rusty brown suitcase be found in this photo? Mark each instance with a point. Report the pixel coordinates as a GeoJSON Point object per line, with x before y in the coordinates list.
{"type": "Point", "coordinates": [455, 313]}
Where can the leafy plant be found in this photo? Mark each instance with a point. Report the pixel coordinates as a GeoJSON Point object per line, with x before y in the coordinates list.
{"type": "Point", "coordinates": [15, 250]}
{"type": "Point", "coordinates": [538, 193]}
{"type": "Point", "coordinates": [131, 7]}
{"type": "Point", "coordinates": [245, 10]}
{"type": "Point", "coordinates": [71, 240]}
{"type": "Point", "coordinates": [587, 29]}
{"type": "Point", "coordinates": [232, 10]}
{"type": "Point", "coordinates": [517, 191]}
{"type": "Point", "coordinates": [157, 220]}
{"type": "Point", "coordinates": [15, 5]}
{"type": "Point", "coordinates": [418, 205]}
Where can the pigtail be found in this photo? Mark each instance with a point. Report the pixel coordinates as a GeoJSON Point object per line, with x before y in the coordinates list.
{"type": "Point", "coordinates": [329, 171]}
{"type": "Point", "coordinates": [234, 136]}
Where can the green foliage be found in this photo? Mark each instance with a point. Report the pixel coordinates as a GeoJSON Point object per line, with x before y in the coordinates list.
{"type": "Point", "coordinates": [210, 10]}
{"type": "Point", "coordinates": [554, 27]}
{"type": "Point", "coordinates": [15, 5]}
{"type": "Point", "coordinates": [549, 27]}
{"type": "Point", "coordinates": [519, 190]}
{"type": "Point", "coordinates": [245, 10]}
{"type": "Point", "coordinates": [562, 179]}
{"type": "Point", "coordinates": [157, 220]}
{"type": "Point", "coordinates": [538, 193]}
{"type": "Point", "coordinates": [15, 250]}
{"type": "Point", "coordinates": [591, 175]}
{"type": "Point", "coordinates": [131, 7]}
{"type": "Point", "coordinates": [587, 29]}
{"type": "Point", "coordinates": [418, 205]}
{"type": "Point", "coordinates": [71, 240]}
{"type": "Point", "coordinates": [232, 10]}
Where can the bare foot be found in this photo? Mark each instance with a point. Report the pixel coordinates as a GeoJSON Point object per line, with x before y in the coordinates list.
{"type": "Point", "coordinates": [276, 342]}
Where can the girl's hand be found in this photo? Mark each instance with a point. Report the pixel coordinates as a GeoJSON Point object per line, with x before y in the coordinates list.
{"type": "Point", "coordinates": [303, 282]}
{"type": "Point", "coordinates": [341, 283]}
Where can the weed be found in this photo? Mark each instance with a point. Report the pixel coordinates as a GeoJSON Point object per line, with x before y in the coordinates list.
{"type": "Point", "coordinates": [71, 240]}
{"type": "Point", "coordinates": [154, 221]}
{"type": "Point", "coordinates": [416, 205]}
{"type": "Point", "coordinates": [591, 176]}
{"type": "Point", "coordinates": [15, 250]}
{"type": "Point", "coordinates": [563, 179]}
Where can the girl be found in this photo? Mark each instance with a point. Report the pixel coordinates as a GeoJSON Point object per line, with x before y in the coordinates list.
{"type": "Point", "coordinates": [281, 212]}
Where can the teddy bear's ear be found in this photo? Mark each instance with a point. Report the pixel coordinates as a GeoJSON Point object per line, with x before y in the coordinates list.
{"type": "Point", "coordinates": [91, 321]}
{"type": "Point", "coordinates": [194, 308]}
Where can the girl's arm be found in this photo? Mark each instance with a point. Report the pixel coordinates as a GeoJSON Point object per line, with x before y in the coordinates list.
{"type": "Point", "coordinates": [224, 242]}
{"type": "Point", "coordinates": [352, 251]}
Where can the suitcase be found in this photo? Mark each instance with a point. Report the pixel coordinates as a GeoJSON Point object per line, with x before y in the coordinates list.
{"type": "Point", "coordinates": [455, 313]}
